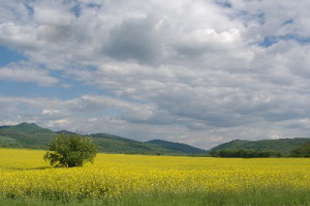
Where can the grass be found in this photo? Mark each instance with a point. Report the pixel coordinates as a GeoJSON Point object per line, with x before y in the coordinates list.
{"type": "Point", "coordinates": [252, 198]}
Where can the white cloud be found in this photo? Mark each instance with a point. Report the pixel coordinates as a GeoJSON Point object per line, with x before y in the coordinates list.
{"type": "Point", "coordinates": [48, 112]}
{"type": "Point", "coordinates": [26, 72]}
{"type": "Point", "coordinates": [52, 13]}
{"type": "Point", "coordinates": [191, 71]}
{"type": "Point", "coordinates": [59, 123]}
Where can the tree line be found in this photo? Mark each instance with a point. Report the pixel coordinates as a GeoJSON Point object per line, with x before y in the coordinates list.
{"type": "Point", "coordinates": [241, 153]}
{"type": "Point", "coordinates": [302, 151]}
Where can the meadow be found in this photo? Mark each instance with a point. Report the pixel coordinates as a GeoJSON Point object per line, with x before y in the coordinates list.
{"type": "Point", "coordinates": [116, 179]}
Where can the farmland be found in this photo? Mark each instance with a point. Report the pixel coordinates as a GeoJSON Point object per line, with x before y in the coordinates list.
{"type": "Point", "coordinates": [24, 174]}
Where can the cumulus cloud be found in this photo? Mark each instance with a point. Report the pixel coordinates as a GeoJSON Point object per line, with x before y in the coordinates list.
{"type": "Point", "coordinates": [135, 38]}
{"type": "Point", "coordinates": [27, 72]}
{"type": "Point", "coordinates": [200, 72]}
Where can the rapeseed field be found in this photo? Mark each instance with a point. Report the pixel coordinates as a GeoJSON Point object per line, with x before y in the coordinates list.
{"type": "Point", "coordinates": [24, 173]}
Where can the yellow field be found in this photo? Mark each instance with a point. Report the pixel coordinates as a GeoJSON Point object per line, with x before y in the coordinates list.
{"type": "Point", "coordinates": [24, 173]}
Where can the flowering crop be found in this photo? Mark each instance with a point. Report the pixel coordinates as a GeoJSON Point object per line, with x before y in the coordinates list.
{"type": "Point", "coordinates": [24, 173]}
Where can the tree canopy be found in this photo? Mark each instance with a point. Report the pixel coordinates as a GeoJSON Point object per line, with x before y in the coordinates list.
{"type": "Point", "coordinates": [303, 151]}
{"type": "Point", "coordinates": [244, 153]}
{"type": "Point", "coordinates": [70, 150]}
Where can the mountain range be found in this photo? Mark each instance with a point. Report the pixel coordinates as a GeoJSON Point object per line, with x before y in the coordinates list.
{"type": "Point", "coordinates": [30, 135]}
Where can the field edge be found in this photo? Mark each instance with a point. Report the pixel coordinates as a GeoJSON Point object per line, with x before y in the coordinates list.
{"type": "Point", "coordinates": [253, 198]}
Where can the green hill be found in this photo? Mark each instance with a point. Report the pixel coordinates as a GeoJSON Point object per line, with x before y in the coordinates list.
{"type": "Point", "coordinates": [25, 135]}
{"type": "Point", "coordinates": [182, 148]}
{"type": "Point", "coordinates": [33, 136]}
{"type": "Point", "coordinates": [110, 143]}
{"type": "Point", "coordinates": [115, 144]}
{"type": "Point", "coordinates": [284, 146]}
{"type": "Point", "coordinates": [8, 142]}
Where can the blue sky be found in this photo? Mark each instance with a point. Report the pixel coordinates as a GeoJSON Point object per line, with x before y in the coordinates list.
{"type": "Point", "coordinates": [192, 71]}
{"type": "Point", "coordinates": [8, 56]}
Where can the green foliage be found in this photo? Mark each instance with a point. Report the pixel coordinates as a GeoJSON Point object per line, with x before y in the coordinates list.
{"type": "Point", "coordinates": [177, 147]}
{"type": "Point", "coordinates": [264, 197]}
{"type": "Point", "coordinates": [284, 146]}
{"type": "Point", "coordinates": [303, 151]}
{"type": "Point", "coordinates": [245, 153]}
{"type": "Point", "coordinates": [70, 150]}
{"type": "Point", "coordinates": [27, 135]}
{"type": "Point", "coordinates": [8, 142]}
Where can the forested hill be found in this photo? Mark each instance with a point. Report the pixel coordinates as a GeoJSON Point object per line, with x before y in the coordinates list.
{"type": "Point", "coordinates": [284, 146]}
{"type": "Point", "coordinates": [33, 136]}
{"type": "Point", "coordinates": [25, 135]}
{"type": "Point", "coordinates": [176, 146]}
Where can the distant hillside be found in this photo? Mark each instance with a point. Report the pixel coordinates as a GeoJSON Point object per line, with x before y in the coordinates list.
{"type": "Point", "coordinates": [281, 145]}
{"type": "Point", "coordinates": [25, 135]}
{"type": "Point", "coordinates": [183, 148]}
{"type": "Point", "coordinates": [33, 136]}
{"type": "Point", "coordinates": [115, 144]}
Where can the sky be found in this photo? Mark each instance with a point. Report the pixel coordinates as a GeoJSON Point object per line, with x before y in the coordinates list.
{"type": "Point", "coordinates": [201, 72]}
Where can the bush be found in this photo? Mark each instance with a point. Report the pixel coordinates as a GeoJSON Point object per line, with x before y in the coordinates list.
{"type": "Point", "coordinates": [70, 150]}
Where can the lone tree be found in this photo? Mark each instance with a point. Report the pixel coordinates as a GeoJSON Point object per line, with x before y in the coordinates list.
{"type": "Point", "coordinates": [70, 150]}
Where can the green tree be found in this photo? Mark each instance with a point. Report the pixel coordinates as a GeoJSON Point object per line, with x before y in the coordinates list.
{"type": "Point", "coordinates": [302, 151]}
{"type": "Point", "coordinates": [241, 153]}
{"type": "Point", "coordinates": [70, 150]}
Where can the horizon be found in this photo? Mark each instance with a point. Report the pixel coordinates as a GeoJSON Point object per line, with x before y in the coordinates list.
{"type": "Point", "coordinates": [157, 139]}
{"type": "Point", "coordinates": [196, 72]}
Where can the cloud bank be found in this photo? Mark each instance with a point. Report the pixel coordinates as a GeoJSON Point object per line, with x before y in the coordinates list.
{"type": "Point", "coordinates": [192, 71]}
